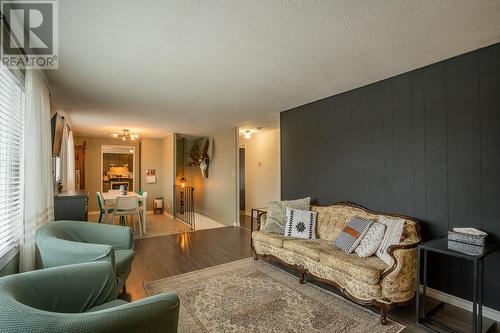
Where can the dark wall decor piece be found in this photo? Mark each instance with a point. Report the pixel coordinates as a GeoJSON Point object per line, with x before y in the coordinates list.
{"type": "Point", "coordinates": [201, 158]}
{"type": "Point", "coordinates": [424, 143]}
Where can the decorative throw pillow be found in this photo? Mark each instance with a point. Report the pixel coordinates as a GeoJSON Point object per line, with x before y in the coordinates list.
{"type": "Point", "coordinates": [372, 240]}
{"type": "Point", "coordinates": [300, 223]}
{"type": "Point", "coordinates": [352, 234]}
{"type": "Point", "coordinates": [394, 228]}
{"type": "Point", "coordinates": [276, 214]}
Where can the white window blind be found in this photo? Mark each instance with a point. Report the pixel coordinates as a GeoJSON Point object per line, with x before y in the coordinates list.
{"type": "Point", "coordinates": [11, 159]}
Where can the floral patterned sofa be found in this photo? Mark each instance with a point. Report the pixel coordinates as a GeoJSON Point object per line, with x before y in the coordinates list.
{"type": "Point", "coordinates": [367, 281]}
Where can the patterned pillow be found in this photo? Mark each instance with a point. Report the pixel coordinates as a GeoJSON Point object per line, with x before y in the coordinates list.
{"type": "Point", "coordinates": [276, 213]}
{"type": "Point", "coordinates": [352, 234]}
{"type": "Point", "coordinates": [372, 240]}
{"type": "Point", "coordinates": [394, 228]}
{"type": "Point", "coordinates": [300, 223]}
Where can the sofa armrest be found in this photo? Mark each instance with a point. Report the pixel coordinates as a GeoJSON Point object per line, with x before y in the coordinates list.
{"type": "Point", "coordinates": [261, 220]}
{"type": "Point", "coordinates": [399, 281]}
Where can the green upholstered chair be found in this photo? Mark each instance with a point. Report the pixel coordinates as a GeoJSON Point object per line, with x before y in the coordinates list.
{"type": "Point", "coordinates": [102, 210]}
{"type": "Point", "coordinates": [79, 298]}
{"type": "Point", "coordinates": [71, 242]}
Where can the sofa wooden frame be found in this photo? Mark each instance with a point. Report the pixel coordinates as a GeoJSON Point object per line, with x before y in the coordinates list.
{"type": "Point", "coordinates": [384, 307]}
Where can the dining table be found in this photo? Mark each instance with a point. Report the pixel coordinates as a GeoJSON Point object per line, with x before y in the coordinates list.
{"type": "Point", "coordinates": [109, 199]}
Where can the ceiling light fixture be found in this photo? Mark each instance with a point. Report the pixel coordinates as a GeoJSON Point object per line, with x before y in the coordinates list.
{"type": "Point", "coordinates": [247, 134]}
{"type": "Point", "coordinates": [125, 135]}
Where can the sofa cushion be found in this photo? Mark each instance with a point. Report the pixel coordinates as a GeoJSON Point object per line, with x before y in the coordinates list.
{"type": "Point", "coordinates": [300, 223]}
{"type": "Point", "coordinates": [276, 214]}
{"type": "Point", "coordinates": [271, 239]}
{"type": "Point", "coordinates": [309, 248]}
{"type": "Point", "coordinates": [366, 270]}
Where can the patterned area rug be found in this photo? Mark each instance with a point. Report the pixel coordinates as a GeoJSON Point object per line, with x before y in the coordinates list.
{"type": "Point", "coordinates": [253, 296]}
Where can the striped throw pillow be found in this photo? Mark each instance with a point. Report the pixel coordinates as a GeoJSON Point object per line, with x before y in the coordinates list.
{"type": "Point", "coordinates": [352, 234]}
{"type": "Point", "coordinates": [300, 223]}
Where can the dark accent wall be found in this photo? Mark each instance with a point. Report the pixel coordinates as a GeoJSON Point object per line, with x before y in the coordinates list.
{"type": "Point", "coordinates": [425, 143]}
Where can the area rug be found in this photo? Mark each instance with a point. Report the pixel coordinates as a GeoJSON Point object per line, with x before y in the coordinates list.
{"type": "Point", "coordinates": [254, 296]}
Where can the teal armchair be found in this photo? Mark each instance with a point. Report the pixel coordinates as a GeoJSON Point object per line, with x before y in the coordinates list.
{"type": "Point", "coordinates": [70, 242]}
{"type": "Point", "coordinates": [79, 298]}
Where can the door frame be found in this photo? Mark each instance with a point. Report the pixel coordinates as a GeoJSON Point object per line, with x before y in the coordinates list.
{"type": "Point", "coordinates": [119, 149]}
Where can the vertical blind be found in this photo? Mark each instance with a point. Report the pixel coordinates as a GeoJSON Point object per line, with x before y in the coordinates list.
{"type": "Point", "coordinates": [11, 159]}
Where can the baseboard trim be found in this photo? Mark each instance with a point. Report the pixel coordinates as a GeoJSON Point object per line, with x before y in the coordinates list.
{"type": "Point", "coordinates": [462, 303]}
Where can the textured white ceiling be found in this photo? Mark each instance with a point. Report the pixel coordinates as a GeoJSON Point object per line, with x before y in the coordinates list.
{"type": "Point", "coordinates": [195, 67]}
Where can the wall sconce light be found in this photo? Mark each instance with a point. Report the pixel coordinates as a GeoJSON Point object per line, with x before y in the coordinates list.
{"type": "Point", "coordinates": [183, 181]}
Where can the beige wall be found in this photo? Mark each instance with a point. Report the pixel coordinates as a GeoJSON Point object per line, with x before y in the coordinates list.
{"type": "Point", "coordinates": [262, 182]}
{"type": "Point", "coordinates": [93, 165]}
{"type": "Point", "coordinates": [219, 196]}
{"type": "Point", "coordinates": [167, 172]}
{"type": "Point", "coordinates": [152, 158]}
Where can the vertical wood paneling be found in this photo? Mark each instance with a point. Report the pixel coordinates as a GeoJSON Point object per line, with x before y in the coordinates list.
{"type": "Point", "coordinates": [338, 126]}
{"type": "Point", "coordinates": [425, 143]}
{"type": "Point", "coordinates": [489, 104]}
{"type": "Point", "coordinates": [462, 103]}
{"type": "Point", "coordinates": [388, 188]}
{"type": "Point", "coordinates": [419, 145]}
{"type": "Point", "coordinates": [402, 94]}
{"type": "Point", "coordinates": [436, 157]}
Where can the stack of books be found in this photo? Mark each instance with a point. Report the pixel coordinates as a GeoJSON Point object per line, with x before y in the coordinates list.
{"type": "Point", "coordinates": [467, 240]}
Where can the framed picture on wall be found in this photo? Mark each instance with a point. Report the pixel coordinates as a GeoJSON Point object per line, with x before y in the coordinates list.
{"type": "Point", "coordinates": [150, 176]}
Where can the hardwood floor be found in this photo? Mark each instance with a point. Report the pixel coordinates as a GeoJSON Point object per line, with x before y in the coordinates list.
{"type": "Point", "coordinates": [161, 257]}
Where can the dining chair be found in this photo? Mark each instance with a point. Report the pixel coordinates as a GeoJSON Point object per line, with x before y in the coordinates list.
{"type": "Point", "coordinates": [103, 210]}
{"type": "Point", "coordinates": [127, 206]}
{"type": "Point", "coordinates": [143, 203]}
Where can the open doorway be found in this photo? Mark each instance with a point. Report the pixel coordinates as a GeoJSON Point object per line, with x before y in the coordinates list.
{"type": "Point", "coordinates": [242, 175]}
{"type": "Point", "coordinates": [242, 180]}
{"type": "Point", "coordinates": [117, 167]}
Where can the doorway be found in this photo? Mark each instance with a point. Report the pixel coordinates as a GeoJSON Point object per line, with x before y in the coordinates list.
{"type": "Point", "coordinates": [242, 180]}
{"type": "Point", "coordinates": [242, 167]}
{"type": "Point", "coordinates": [117, 167]}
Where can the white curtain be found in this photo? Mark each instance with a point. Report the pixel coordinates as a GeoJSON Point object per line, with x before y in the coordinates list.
{"type": "Point", "coordinates": [38, 184]}
{"type": "Point", "coordinates": [70, 162]}
{"type": "Point", "coordinates": [67, 159]}
{"type": "Point", "coordinates": [63, 158]}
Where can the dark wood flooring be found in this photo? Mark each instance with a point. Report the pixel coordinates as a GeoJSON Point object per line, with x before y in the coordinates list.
{"type": "Point", "coordinates": [161, 257]}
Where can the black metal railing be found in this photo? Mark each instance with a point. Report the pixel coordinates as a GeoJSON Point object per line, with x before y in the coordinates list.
{"type": "Point", "coordinates": [184, 204]}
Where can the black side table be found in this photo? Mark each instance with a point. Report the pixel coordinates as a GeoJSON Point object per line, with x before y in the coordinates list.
{"type": "Point", "coordinates": [441, 246]}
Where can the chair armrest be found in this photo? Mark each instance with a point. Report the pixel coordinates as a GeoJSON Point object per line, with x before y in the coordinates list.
{"type": "Point", "coordinates": [399, 281]}
{"type": "Point", "coordinates": [119, 237]}
{"type": "Point", "coordinates": [70, 288]}
{"type": "Point", "coordinates": [58, 252]}
{"type": "Point", "coordinates": [154, 314]}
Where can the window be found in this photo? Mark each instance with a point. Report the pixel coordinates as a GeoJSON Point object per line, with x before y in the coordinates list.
{"type": "Point", "coordinates": [11, 158]}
